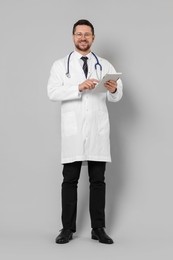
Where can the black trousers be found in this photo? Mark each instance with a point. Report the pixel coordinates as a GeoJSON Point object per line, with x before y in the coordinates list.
{"type": "Point", "coordinates": [71, 174]}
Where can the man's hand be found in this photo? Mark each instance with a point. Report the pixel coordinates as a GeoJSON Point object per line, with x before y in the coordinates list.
{"type": "Point", "coordinates": [88, 84]}
{"type": "Point", "coordinates": [111, 85]}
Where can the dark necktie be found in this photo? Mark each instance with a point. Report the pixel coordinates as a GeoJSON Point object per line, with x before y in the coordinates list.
{"type": "Point", "coordinates": [85, 65]}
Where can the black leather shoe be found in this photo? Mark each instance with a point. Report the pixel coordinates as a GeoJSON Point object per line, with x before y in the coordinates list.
{"type": "Point", "coordinates": [64, 237]}
{"type": "Point", "coordinates": [100, 234]}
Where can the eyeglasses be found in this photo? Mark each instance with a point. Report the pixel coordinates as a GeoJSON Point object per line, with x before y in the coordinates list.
{"type": "Point", "coordinates": [80, 35]}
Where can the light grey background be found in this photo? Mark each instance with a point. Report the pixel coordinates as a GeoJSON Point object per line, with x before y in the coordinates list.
{"type": "Point", "coordinates": [136, 36]}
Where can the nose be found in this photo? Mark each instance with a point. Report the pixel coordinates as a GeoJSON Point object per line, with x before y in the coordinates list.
{"type": "Point", "coordinates": [83, 36]}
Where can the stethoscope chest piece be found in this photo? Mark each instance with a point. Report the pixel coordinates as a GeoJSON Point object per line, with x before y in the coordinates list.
{"type": "Point", "coordinates": [68, 75]}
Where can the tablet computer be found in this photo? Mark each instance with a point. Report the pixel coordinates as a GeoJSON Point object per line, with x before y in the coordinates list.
{"type": "Point", "coordinates": [100, 86]}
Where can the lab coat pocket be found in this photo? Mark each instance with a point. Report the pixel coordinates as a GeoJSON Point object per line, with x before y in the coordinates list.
{"type": "Point", "coordinates": [103, 123]}
{"type": "Point", "coordinates": [69, 124]}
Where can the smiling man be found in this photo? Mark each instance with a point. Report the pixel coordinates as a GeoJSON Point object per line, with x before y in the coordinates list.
{"type": "Point", "coordinates": [85, 128]}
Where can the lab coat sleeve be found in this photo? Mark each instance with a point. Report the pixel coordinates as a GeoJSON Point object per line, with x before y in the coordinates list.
{"type": "Point", "coordinates": [56, 89]}
{"type": "Point", "coordinates": [114, 97]}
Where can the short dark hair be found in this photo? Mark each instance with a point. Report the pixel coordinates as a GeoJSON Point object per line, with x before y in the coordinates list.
{"type": "Point", "coordinates": [83, 22]}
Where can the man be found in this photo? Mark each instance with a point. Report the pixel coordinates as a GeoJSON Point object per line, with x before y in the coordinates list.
{"type": "Point", "coordinates": [84, 128]}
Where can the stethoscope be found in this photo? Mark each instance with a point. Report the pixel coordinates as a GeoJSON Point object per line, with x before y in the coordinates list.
{"type": "Point", "coordinates": [97, 64]}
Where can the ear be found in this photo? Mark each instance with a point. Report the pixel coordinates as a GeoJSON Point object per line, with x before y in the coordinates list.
{"type": "Point", "coordinates": [73, 37]}
{"type": "Point", "coordinates": [93, 37]}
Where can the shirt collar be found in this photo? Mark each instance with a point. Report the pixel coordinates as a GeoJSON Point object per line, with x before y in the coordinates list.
{"type": "Point", "coordinates": [79, 55]}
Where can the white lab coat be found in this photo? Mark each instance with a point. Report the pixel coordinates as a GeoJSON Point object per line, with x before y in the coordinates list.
{"type": "Point", "coordinates": [85, 128]}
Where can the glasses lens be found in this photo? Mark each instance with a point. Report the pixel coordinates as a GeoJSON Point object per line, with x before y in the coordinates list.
{"type": "Point", "coordinates": [85, 35]}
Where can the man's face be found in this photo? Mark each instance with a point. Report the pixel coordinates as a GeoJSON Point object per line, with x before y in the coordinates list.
{"type": "Point", "coordinates": [83, 38]}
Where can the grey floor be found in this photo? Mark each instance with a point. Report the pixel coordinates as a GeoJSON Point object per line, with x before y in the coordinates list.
{"type": "Point", "coordinates": [39, 244]}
